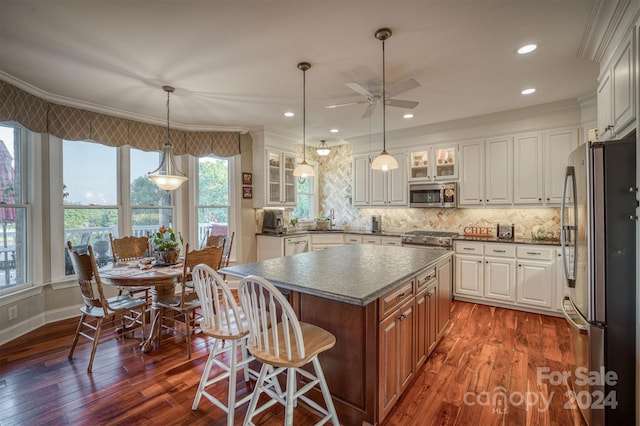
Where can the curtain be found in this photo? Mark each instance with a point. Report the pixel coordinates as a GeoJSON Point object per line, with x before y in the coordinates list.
{"type": "Point", "coordinates": [70, 123]}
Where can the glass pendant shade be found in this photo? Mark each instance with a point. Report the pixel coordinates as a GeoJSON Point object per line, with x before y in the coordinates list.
{"type": "Point", "coordinates": [167, 176]}
{"type": "Point", "coordinates": [323, 149]}
{"type": "Point", "coordinates": [303, 170]}
{"type": "Point", "coordinates": [384, 161]}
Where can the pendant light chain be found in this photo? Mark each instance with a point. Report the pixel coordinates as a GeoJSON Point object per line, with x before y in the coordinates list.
{"type": "Point", "coordinates": [384, 102]}
{"type": "Point", "coordinates": [304, 115]}
{"type": "Point", "coordinates": [168, 134]}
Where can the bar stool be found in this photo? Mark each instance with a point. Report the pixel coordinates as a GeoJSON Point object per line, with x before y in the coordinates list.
{"type": "Point", "coordinates": [282, 343]}
{"type": "Point", "coordinates": [223, 320]}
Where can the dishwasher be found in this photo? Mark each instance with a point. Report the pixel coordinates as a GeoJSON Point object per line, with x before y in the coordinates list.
{"type": "Point", "coordinates": [295, 245]}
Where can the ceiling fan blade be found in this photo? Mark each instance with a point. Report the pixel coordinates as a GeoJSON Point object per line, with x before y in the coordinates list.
{"type": "Point", "coordinates": [369, 110]}
{"type": "Point", "coordinates": [402, 86]}
{"type": "Point", "coordinates": [402, 103]}
{"type": "Point", "coordinates": [345, 104]}
{"type": "Point", "coordinates": [358, 88]}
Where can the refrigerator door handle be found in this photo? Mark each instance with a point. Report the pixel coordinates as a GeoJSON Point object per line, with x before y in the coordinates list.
{"type": "Point", "coordinates": [567, 309]}
{"type": "Point", "coordinates": [565, 234]}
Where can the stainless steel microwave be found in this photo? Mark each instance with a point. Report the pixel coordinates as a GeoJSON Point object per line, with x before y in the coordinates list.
{"type": "Point", "coordinates": [438, 195]}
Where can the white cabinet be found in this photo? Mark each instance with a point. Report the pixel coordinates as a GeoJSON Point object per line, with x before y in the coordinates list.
{"type": "Point", "coordinates": [377, 188]}
{"type": "Point", "coordinates": [557, 145]}
{"type": "Point", "coordinates": [500, 272]}
{"type": "Point", "coordinates": [507, 274]}
{"type": "Point", "coordinates": [616, 93]}
{"type": "Point", "coordinates": [279, 186]}
{"type": "Point", "coordinates": [320, 241]}
{"type": "Point", "coordinates": [469, 269]}
{"type": "Point", "coordinates": [270, 247]}
{"type": "Point", "coordinates": [471, 188]}
{"type": "Point", "coordinates": [434, 163]}
{"type": "Point", "coordinates": [528, 176]}
{"type": "Point", "coordinates": [499, 171]}
{"type": "Point", "coordinates": [390, 241]}
{"type": "Point", "coordinates": [360, 184]}
{"type": "Point", "coordinates": [535, 277]}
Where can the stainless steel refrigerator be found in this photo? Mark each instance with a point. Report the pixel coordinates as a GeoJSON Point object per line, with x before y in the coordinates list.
{"type": "Point", "coordinates": [598, 216]}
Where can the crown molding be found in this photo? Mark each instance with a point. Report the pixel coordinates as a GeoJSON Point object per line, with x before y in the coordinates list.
{"type": "Point", "coordinates": [101, 109]}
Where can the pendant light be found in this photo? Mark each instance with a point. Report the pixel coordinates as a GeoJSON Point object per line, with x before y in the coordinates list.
{"type": "Point", "coordinates": [304, 170]}
{"type": "Point", "coordinates": [323, 149]}
{"type": "Point", "coordinates": [384, 161]}
{"type": "Point", "coordinates": [167, 176]}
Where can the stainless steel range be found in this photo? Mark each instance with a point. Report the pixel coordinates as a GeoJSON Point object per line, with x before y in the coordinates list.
{"type": "Point", "coordinates": [429, 239]}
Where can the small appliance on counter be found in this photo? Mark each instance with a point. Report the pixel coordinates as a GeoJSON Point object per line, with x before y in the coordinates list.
{"type": "Point", "coordinates": [376, 223]}
{"type": "Point", "coordinates": [505, 231]}
{"type": "Point", "coordinates": [273, 222]}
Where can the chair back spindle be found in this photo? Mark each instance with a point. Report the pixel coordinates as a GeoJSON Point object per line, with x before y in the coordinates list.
{"type": "Point", "coordinates": [86, 270]}
{"type": "Point", "coordinates": [274, 330]}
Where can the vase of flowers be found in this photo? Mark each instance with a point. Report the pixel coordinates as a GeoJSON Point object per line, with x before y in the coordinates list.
{"type": "Point", "coordinates": [166, 245]}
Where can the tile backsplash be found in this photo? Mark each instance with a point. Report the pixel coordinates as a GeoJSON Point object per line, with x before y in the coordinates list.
{"type": "Point", "coordinates": [335, 176]}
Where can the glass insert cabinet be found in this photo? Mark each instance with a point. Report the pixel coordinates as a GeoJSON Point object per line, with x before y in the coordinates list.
{"type": "Point", "coordinates": [438, 163]}
{"type": "Point", "coordinates": [281, 184]}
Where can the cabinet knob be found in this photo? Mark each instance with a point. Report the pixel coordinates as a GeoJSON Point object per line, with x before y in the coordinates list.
{"type": "Point", "coordinates": [540, 199]}
{"type": "Point", "coordinates": [609, 127]}
{"type": "Point", "coordinates": [548, 199]}
{"type": "Point", "coordinates": [519, 266]}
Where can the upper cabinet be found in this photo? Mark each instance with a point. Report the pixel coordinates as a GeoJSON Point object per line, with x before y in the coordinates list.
{"type": "Point", "coordinates": [520, 169]}
{"type": "Point", "coordinates": [616, 93]}
{"type": "Point", "coordinates": [434, 163]}
{"type": "Point", "coordinates": [279, 185]}
{"type": "Point", "coordinates": [377, 188]}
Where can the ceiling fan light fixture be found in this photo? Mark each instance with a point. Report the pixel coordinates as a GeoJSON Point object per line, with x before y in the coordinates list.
{"type": "Point", "coordinates": [167, 176]}
{"type": "Point", "coordinates": [304, 170]}
{"type": "Point", "coordinates": [384, 161]}
{"type": "Point", "coordinates": [323, 149]}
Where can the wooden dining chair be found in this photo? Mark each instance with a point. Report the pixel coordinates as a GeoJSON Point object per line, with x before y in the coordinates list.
{"type": "Point", "coordinates": [127, 249]}
{"type": "Point", "coordinates": [283, 344]}
{"type": "Point", "coordinates": [223, 320]}
{"type": "Point", "coordinates": [97, 307]}
{"type": "Point", "coordinates": [183, 307]}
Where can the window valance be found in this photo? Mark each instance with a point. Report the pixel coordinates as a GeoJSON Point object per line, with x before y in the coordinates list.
{"type": "Point", "coordinates": [70, 123]}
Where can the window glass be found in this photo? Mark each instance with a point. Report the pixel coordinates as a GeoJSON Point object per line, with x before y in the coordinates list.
{"type": "Point", "coordinates": [13, 214]}
{"type": "Point", "coordinates": [213, 196]}
{"type": "Point", "coordinates": [306, 198]}
{"type": "Point", "coordinates": [90, 197]}
{"type": "Point", "coordinates": [151, 206]}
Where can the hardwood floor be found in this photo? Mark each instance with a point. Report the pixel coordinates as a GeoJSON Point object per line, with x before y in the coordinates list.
{"type": "Point", "coordinates": [488, 354]}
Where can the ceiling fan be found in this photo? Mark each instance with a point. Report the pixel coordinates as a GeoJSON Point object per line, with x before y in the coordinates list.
{"type": "Point", "coordinates": [372, 92]}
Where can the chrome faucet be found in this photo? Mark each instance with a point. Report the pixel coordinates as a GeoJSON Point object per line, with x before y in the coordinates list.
{"type": "Point", "coordinates": [332, 217]}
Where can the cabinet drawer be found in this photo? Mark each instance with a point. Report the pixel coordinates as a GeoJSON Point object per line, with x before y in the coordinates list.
{"type": "Point", "coordinates": [469, 248]}
{"type": "Point", "coordinates": [370, 240]}
{"type": "Point", "coordinates": [499, 250]}
{"type": "Point", "coordinates": [352, 239]}
{"type": "Point", "coordinates": [327, 239]}
{"type": "Point", "coordinates": [390, 241]}
{"type": "Point", "coordinates": [424, 279]}
{"type": "Point", "coordinates": [538, 253]}
{"type": "Point", "coordinates": [394, 299]}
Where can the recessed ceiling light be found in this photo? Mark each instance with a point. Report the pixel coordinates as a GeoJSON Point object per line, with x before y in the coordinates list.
{"type": "Point", "coordinates": [408, 115]}
{"type": "Point", "coordinates": [528, 91]}
{"type": "Point", "coordinates": [334, 130]}
{"type": "Point", "coordinates": [289, 114]}
{"type": "Point", "coordinates": [527, 48]}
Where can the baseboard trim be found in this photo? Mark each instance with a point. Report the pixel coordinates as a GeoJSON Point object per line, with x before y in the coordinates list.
{"type": "Point", "coordinates": [26, 326]}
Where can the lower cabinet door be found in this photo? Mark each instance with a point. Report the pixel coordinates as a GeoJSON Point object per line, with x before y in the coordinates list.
{"type": "Point", "coordinates": [500, 279]}
{"type": "Point", "coordinates": [406, 329]}
{"type": "Point", "coordinates": [535, 283]}
{"type": "Point", "coordinates": [469, 275]}
{"type": "Point", "coordinates": [388, 364]}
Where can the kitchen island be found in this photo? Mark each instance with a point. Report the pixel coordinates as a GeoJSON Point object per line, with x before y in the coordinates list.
{"type": "Point", "coordinates": [387, 307]}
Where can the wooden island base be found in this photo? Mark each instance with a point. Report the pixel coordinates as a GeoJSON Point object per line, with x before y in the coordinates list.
{"type": "Point", "coordinates": [386, 319]}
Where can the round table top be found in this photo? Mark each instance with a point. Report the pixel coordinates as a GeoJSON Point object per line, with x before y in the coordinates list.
{"type": "Point", "coordinates": [133, 275]}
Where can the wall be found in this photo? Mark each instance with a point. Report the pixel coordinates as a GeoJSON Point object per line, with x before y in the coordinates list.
{"type": "Point", "coordinates": [335, 182]}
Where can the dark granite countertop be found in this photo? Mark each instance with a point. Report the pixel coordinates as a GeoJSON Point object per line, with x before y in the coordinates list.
{"type": "Point", "coordinates": [361, 231]}
{"type": "Point", "coordinates": [357, 274]}
{"type": "Point", "coordinates": [514, 241]}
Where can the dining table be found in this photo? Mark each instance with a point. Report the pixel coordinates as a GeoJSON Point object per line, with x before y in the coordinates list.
{"type": "Point", "coordinates": [161, 279]}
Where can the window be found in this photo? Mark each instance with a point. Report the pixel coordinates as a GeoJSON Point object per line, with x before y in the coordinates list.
{"type": "Point", "coordinates": [306, 202]}
{"type": "Point", "coordinates": [213, 196]}
{"type": "Point", "coordinates": [150, 205]}
{"type": "Point", "coordinates": [13, 213]}
{"type": "Point", "coordinates": [90, 182]}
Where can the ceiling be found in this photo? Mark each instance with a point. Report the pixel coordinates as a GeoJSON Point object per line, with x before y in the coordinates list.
{"type": "Point", "coordinates": [234, 63]}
